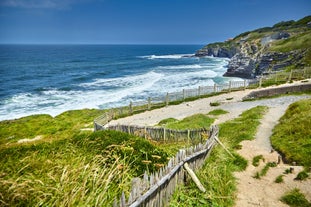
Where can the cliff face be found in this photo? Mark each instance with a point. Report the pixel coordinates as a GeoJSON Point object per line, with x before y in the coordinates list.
{"type": "Point", "coordinates": [286, 45]}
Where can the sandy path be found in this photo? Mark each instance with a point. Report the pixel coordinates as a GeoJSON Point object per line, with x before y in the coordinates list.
{"type": "Point", "coordinates": [265, 192]}
{"type": "Point", "coordinates": [235, 106]}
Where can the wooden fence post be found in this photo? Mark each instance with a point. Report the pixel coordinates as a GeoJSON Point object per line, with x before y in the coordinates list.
{"type": "Point", "coordinates": [164, 133]}
{"type": "Point", "coordinates": [183, 94]}
{"type": "Point", "coordinates": [244, 84]}
{"type": "Point", "coordinates": [194, 178]}
{"type": "Point", "coordinates": [199, 91]}
{"type": "Point", "coordinates": [131, 107]}
{"type": "Point", "coordinates": [149, 103]}
{"type": "Point", "coordinates": [214, 87]}
{"type": "Point", "coordinates": [290, 75]}
{"type": "Point", "coordinates": [167, 99]}
{"type": "Point", "coordinates": [260, 82]}
{"type": "Point", "coordinates": [230, 86]}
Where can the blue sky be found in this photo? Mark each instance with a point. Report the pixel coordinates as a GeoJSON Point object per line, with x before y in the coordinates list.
{"type": "Point", "coordinates": [140, 21]}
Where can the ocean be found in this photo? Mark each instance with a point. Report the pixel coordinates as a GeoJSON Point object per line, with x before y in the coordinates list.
{"type": "Point", "coordinates": [51, 79]}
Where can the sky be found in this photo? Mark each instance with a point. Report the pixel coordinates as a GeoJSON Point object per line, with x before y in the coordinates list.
{"type": "Point", "coordinates": [139, 21]}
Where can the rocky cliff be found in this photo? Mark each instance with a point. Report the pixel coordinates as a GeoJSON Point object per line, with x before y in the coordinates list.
{"type": "Point", "coordinates": [285, 46]}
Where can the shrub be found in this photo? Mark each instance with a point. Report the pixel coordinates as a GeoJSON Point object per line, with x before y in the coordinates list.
{"type": "Point", "coordinates": [295, 198]}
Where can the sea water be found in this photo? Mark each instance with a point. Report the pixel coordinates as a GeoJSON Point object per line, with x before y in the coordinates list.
{"type": "Point", "coordinates": [51, 79]}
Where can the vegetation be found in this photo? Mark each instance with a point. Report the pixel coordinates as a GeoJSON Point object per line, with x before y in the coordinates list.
{"type": "Point", "coordinates": [196, 121]}
{"type": "Point", "coordinates": [303, 175]}
{"type": "Point", "coordinates": [295, 198]}
{"type": "Point", "coordinates": [256, 160]}
{"type": "Point", "coordinates": [264, 170]}
{"type": "Point", "coordinates": [292, 136]}
{"type": "Point", "coordinates": [214, 103]}
{"type": "Point", "coordinates": [217, 173]}
{"type": "Point", "coordinates": [279, 179]}
{"type": "Point", "coordinates": [50, 128]}
{"type": "Point", "coordinates": [86, 169]}
{"type": "Point", "coordinates": [217, 112]}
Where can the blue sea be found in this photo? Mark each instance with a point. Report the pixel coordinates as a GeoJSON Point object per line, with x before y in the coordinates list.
{"type": "Point", "coordinates": [51, 79]}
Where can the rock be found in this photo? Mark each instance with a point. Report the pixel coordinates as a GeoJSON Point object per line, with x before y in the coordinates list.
{"type": "Point", "coordinates": [216, 50]}
{"type": "Point", "coordinates": [256, 52]}
{"type": "Point", "coordinates": [274, 36]}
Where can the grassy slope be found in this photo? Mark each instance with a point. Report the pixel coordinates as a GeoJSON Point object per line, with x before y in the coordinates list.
{"type": "Point", "coordinates": [217, 173]}
{"type": "Point", "coordinates": [201, 121]}
{"type": "Point", "coordinates": [61, 126]}
{"type": "Point", "coordinates": [292, 136]}
{"type": "Point", "coordinates": [69, 167]}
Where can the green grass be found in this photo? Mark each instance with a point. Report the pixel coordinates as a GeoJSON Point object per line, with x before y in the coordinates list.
{"type": "Point", "coordinates": [292, 136]}
{"type": "Point", "coordinates": [299, 41]}
{"type": "Point", "coordinates": [61, 126]}
{"type": "Point", "coordinates": [264, 170]}
{"type": "Point", "coordinates": [167, 121]}
{"type": "Point", "coordinates": [196, 121]}
{"type": "Point", "coordinates": [279, 179]}
{"type": "Point", "coordinates": [214, 103]}
{"type": "Point", "coordinates": [217, 112]}
{"type": "Point", "coordinates": [303, 175]}
{"type": "Point", "coordinates": [87, 169]}
{"type": "Point", "coordinates": [295, 198]}
{"type": "Point", "coordinates": [217, 173]}
{"type": "Point", "coordinates": [256, 160]}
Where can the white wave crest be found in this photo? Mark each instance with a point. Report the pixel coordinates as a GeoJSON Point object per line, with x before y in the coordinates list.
{"type": "Point", "coordinates": [176, 67]}
{"type": "Point", "coordinates": [173, 56]}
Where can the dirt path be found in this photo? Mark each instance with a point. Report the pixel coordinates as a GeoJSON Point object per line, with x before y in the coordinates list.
{"type": "Point", "coordinates": [264, 191]}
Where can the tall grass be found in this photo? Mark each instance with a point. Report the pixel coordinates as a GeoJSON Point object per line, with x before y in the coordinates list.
{"type": "Point", "coordinates": [292, 136]}
{"type": "Point", "coordinates": [82, 183]}
{"type": "Point", "coordinates": [89, 169]}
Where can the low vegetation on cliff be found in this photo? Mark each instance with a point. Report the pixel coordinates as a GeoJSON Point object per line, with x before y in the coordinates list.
{"type": "Point", "coordinates": [284, 46]}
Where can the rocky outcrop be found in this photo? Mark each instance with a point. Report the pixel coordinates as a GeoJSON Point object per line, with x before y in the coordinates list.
{"type": "Point", "coordinates": [218, 50]}
{"type": "Point", "coordinates": [251, 55]}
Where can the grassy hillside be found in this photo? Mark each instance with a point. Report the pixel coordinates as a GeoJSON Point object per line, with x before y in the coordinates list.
{"type": "Point", "coordinates": [292, 136]}
{"type": "Point", "coordinates": [88, 169]}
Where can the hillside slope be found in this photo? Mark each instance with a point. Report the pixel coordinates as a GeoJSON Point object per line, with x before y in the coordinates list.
{"type": "Point", "coordinates": [284, 46]}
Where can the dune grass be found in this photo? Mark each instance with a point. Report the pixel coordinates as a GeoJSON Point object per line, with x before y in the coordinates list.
{"type": "Point", "coordinates": [87, 169]}
{"type": "Point", "coordinates": [217, 173]}
{"type": "Point", "coordinates": [292, 136]}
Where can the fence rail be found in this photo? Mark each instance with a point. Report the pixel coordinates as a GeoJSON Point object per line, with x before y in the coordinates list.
{"type": "Point", "coordinates": [171, 98]}
{"type": "Point", "coordinates": [161, 134]}
{"type": "Point", "coordinates": [156, 189]}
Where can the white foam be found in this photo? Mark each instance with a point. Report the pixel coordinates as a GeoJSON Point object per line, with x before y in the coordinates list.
{"type": "Point", "coordinates": [123, 81]}
{"type": "Point", "coordinates": [173, 56]}
{"type": "Point", "coordinates": [176, 67]}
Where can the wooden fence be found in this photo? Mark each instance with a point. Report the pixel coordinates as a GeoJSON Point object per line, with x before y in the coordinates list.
{"type": "Point", "coordinates": [161, 134]}
{"type": "Point", "coordinates": [187, 94]}
{"type": "Point", "coordinates": [156, 189]}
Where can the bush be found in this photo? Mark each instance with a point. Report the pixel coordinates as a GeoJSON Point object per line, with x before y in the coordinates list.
{"type": "Point", "coordinates": [303, 175]}
{"type": "Point", "coordinates": [295, 198]}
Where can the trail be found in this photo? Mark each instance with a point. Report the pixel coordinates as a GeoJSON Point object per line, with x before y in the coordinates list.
{"type": "Point", "coordinates": [264, 191]}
